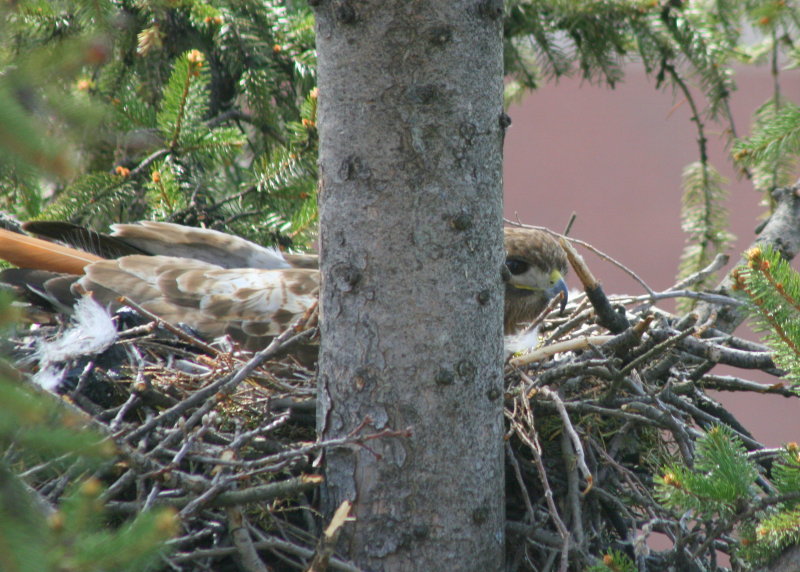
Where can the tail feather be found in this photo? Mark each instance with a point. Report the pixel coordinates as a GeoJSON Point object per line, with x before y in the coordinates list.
{"type": "Point", "coordinates": [82, 238]}
{"type": "Point", "coordinates": [50, 291]}
{"type": "Point", "coordinates": [29, 252]}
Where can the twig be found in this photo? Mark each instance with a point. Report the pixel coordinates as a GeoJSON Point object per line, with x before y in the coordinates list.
{"type": "Point", "coordinates": [248, 556]}
{"type": "Point", "coordinates": [124, 300]}
{"type": "Point", "coordinates": [223, 386]}
{"type": "Point", "coordinates": [719, 261]}
{"type": "Point", "coordinates": [570, 431]}
{"type": "Point", "coordinates": [327, 542]}
{"type": "Point", "coordinates": [781, 231]}
{"type": "Point", "coordinates": [270, 544]}
{"type": "Point", "coordinates": [718, 353]}
{"type": "Point", "coordinates": [571, 221]}
{"type": "Point", "coordinates": [520, 481]}
{"type": "Point", "coordinates": [530, 437]}
{"type": "Point", "coordinates": [606, 315]}
{"type": "Point", "coordinates": [704, 419]}
{"type": "Point", "coordinates": [552, 304]}
{"type": "Point", "coordinates": [596, 251]}
{"type": "Point", "coordinates": [712, 298]}
{"type": "Point", "coordinates": [258, 494]}
{"type": "Point", "coordinates": [657, 350]}
{"type": "Point", "coordinates": [579, 317]}
{"type": "Point", "coordinates": [731, 383]}
{"type": "Point", "coordinates": [667, 420]}
{"type": "Point", "coordinates": [147, 161]}
{"type": "Point", "coordinates": [574, 344]}
{"type": "Point", "coordinates": [573, 503]}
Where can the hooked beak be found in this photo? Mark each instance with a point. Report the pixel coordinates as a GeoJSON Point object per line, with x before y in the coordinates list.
{"type": "Point", "coordinates": [558, 286]}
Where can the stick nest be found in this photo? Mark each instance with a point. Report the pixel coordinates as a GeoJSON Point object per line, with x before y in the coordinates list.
{"type": "Point", "coordinates": [227, 439]}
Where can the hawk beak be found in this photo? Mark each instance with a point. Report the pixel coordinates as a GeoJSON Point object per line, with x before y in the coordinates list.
{"type": "Point", "coordinates": [559, 286]}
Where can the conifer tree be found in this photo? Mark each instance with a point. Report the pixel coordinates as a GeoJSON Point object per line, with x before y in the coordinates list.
{"type": "Point", "coordinates": [201, 113]}
{"type": "Point", "coordinates": [205, 113]}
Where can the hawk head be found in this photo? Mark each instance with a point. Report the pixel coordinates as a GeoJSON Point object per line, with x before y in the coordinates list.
{"type": "Point", "coordinates": [535, 265]}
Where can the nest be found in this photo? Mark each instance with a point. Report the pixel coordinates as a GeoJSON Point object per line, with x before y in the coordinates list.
{"type": "Point", "coordinates": [227, 439]}
{"type": "Point", "coordinates": [615, 394]}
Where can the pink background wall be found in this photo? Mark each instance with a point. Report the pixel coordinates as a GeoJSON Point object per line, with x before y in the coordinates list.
{"type": "Point", "coordinates": [615, 157]}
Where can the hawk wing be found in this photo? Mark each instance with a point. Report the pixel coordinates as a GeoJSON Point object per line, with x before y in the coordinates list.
{"type": "Point", "coordinates": [250, 304]}
{"type": "Point", "coordinates": [167, 239]}
{"type": "Point", "coordinates": [213, 246]}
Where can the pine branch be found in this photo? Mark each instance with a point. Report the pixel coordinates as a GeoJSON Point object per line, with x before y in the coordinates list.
{"type": "Point", "coordinates": [773, 289]}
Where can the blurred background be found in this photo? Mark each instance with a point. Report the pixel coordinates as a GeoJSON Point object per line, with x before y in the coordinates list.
{"type": "Point", "coordinates": [615, 158]}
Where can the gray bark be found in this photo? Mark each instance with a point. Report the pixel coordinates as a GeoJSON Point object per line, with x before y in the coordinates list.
{"type": "Point", "coordinates": [411, 128]}
{"type": "Point", "coordinates": [782, 232]}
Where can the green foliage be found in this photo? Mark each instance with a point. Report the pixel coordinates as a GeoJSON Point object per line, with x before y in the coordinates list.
{"type": "Point", "coordinates": [76, 535]}
{"type": "Point", "coordinates": [772, 288]}
{"type": "Point", "coordinates": [38, 432]}
{"type": "Point", "coordinates": [614, 561]}
{"type": "Point", "coordinates": [786, 475]}
{"type": "Point", "coordinates": [778, 526]}
{"type": "Point", "coordinates": [772, 151]}
{"type": "Point", "coordinates": [184, 102]}
{"type": "Point", "coordinates": [200, 113]}
{"type": "Point", "coordinates": [233, 135]}
{"type": "Point", "coordinates": [677, 42]}
{"type": "Point", "coordinates": [99, 197]}
{"type": "Point", "coordinates": [29, 148]}
{"type": "Point", "coordinates": [720, 491]}
{"type": "Point", "coordinates": [721, 482]}
{"type": "Point", "coordinates": [44, 431]}
{"type": "Point", "coordinates": [205, 112]}
{"type": "Point", "coordinates": [764, 542]}
{"type": "Point", "coordinates": [552, 38]}
{"type": "Point", "coordinates": [46, 440]}
{"type": "Point", "coordinates": [81, 539]}
{"type": "Point", "coordinates": [43, 51]}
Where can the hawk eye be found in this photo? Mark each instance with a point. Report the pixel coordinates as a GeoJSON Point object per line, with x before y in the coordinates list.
{"type": "Point", "coordinates": [516, 266]}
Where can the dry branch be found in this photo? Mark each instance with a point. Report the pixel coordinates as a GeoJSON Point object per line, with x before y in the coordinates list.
{"type": "Point", "coordinates": [593, 414]}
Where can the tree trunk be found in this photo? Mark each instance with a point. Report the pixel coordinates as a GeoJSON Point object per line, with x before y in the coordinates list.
{"type": "Point", "coordinates": [411, 129]}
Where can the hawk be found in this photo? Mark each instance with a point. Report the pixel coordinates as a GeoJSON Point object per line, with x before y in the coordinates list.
{"type": "Point", "coordinates": [220, 284]}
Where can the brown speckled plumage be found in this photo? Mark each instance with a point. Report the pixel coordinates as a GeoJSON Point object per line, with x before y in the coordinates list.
{"type": "Point", "coordinates": [252, 305]}
{"type": "Point", "coordinates": [257, 302]}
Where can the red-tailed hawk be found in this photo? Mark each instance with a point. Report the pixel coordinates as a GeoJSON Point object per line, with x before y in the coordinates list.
{"type": "Point", "coordinates": [221, 284]}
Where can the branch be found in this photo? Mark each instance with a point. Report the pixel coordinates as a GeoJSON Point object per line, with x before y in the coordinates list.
{"type": "Point", "coordinates": [606, 315]}
{"type": "Point", "coordinates": [782, 232]}
{"type": "Point", "coordinates": [258, 494]}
